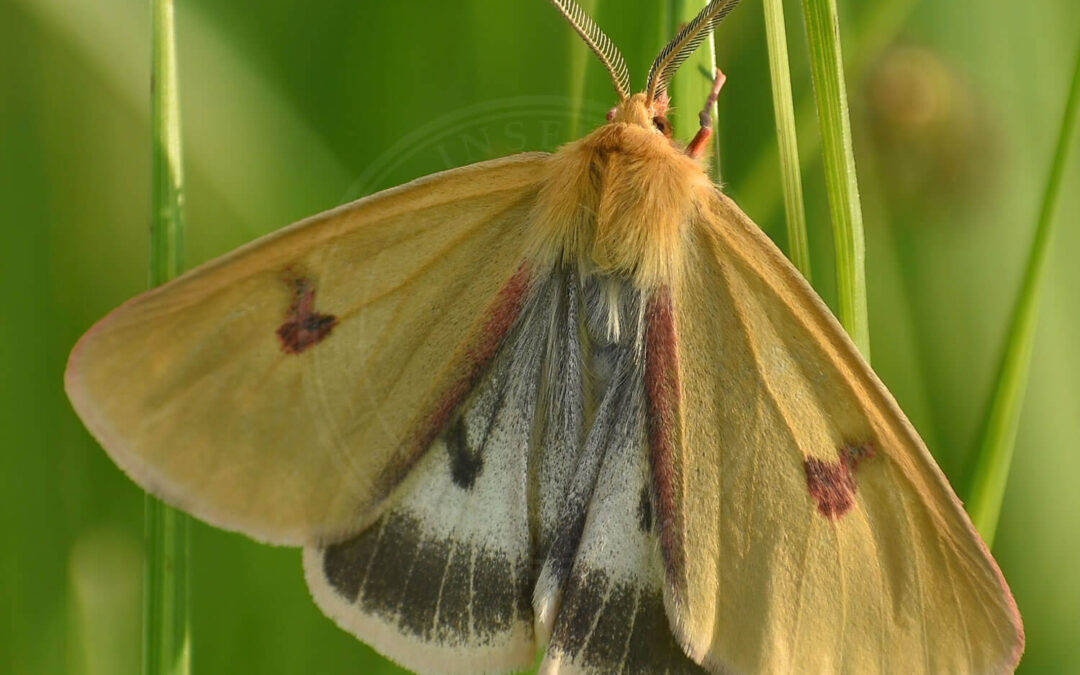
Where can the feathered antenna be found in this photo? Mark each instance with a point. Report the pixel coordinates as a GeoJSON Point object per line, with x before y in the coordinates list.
{"type": "Point", "coordinates": [599, 43]}
{"type": "Point", "coordinates": [689, 38]}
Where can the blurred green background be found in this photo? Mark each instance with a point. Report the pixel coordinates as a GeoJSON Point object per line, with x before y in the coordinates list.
{"type": "Point", "coordinates": [290, 108]}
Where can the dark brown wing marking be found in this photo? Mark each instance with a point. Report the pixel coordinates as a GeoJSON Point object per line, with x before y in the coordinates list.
{"type": "Point", "coordinates": [832, 484]}
{"type": "Point", "coordinates": [304, 327]}
{"type": "Point", "coordinates": [644, 510]}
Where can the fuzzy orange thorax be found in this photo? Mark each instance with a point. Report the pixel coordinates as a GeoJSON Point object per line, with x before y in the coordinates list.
{"type": "Point", "coordinates": [619, 200]}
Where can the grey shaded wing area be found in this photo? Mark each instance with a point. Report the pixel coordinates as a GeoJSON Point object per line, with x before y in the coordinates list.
{"type": "Point", "coordinates": [600, 593]}
{"type": "Point", "coordinates": [442, 581]}
{"type": "Point", "coordinates": [529, 519]}
{"type": "Point", "coordinates": [561, 419]}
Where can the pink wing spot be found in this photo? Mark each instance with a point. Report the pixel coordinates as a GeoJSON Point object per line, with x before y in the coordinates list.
{"type": "Point", "coordinates": [303, 326]}
{"type": "Point", "coordinates": [832, 484]}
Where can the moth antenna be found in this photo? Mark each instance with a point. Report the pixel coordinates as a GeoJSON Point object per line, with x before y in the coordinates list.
{"type": "Point", "coordinates": [683, 45]}
{"type": "Point", "coordinates": [601, 45]}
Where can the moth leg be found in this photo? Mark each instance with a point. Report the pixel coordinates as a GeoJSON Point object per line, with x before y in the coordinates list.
{"type": "Point", "coordinates": [696, 149]}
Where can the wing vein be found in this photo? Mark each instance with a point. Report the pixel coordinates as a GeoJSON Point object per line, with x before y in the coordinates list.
{"type": "Point", "coordinates": [442, 587]}
{"type": "Point", "coordinates": [799, 595]}
{"type": "Point", "coordinates": [434, 259]}
{"type": "Point", "coordinates": [956, 602]}
{"type": "Point", "coordinates": [473, 550]}
{"type": "Point", "coordinates": [740, 314]}
{"type": "Point", "coordinates": [842, 575]}
{"type": "Point", "coordinates": [630, 632]}
{"type": "Point", "coordinates": [371, 559]}
{"type": "Point", "coordinates": [921, 591]}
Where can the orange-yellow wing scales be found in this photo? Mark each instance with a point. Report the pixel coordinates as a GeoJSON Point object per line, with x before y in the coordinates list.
{"type": "Point", "coordinates": [810, 530]}
{"type": "Point", "coordinates": [284, 389]}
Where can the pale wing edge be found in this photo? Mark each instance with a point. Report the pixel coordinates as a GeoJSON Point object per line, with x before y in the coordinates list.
{"type": "Point", "coordinates": [387, 640]}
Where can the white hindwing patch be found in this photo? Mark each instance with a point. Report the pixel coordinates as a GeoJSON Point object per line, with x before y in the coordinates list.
{"type": "Point", "coordinates": [442, 581]}
{"type": "Point", "coordinates": [535, 496]}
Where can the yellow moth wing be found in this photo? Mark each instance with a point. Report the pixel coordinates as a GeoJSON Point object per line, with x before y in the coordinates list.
{"type": "Point", "coordinates": [191, 387]}
{"type": "Point", "coordinates": [813, 531]}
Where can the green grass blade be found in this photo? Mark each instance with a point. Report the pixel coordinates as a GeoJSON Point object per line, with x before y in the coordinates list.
{"type": "Point", "coordinates": [787, 140]}
{"type": "Point", "coordinates": [875, 30]}
{"type": "Point", "coordinates": [998, 438]}
{"type": "Point", "coordinates": [827, 71]}
{"type": "Point", "coordinates": [166, 649]}
{"type": "Point", "coordinates": [166, 634]}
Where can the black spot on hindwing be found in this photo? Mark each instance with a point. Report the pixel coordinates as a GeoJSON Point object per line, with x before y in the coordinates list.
{"type": "Point", "coordinates": [465, 464]}
{"type": "Point", "coordinates": [644, 510]}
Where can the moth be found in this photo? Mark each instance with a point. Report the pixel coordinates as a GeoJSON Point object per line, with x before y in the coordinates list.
{"type": "Point", "coordinates": [574, 400]}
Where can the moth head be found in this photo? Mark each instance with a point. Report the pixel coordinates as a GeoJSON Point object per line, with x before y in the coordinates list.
{"type": "Point", "coordinates": [638, 110]}
{"type": "Point", "coordinates": [651, 110]}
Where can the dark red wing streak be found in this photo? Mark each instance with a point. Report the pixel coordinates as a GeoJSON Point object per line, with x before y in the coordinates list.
{"type": "Point", "coordinates": [303, 327]}
{"type": "Point", "coordinates": [832, 484]}
{"type": "Point", "coordinates": [663, 394]}
{"type": "Point", "coordinates": [501, 315]}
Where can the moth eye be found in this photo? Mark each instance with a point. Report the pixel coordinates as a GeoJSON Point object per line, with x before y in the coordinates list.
{"type": "Point", "coordinates": [662, 125]}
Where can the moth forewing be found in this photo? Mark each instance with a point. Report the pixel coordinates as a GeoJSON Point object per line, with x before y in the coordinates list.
{"type": "Point", "coordinates": [819, 512]}
{"type": "Point", "coordinates": [198, 390]}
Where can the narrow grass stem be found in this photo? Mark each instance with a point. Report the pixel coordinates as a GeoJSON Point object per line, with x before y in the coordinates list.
{"type": "Point", "coordinates": [998, 438]}
{"type": "Point", "coordinates": [165, 607]}
{"type": "Point", "coordinates": [878, 28]}
{"type": "Point", "coordinates": [787, 140]}
{"type": "Point", "coordinates": [826, 69]}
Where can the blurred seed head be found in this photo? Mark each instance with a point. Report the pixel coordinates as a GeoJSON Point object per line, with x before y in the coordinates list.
{"type": "Point", "coordinates": [933, 138]}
